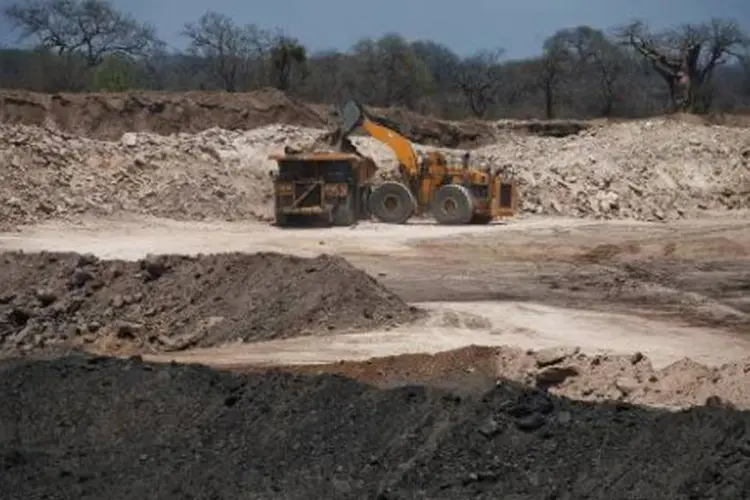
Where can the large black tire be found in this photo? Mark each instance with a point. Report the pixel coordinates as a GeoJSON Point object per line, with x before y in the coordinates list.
{"type": "Point", "coordinates": [452, 204]}
{"type": "Point", "coordinates": [392, 203]}
{"type": "Point", "coordinates": [343, 213]}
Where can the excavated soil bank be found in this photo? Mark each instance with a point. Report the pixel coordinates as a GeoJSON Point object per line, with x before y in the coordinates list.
{"type": "Point", "coordinates": [103, 428]}
{"type": "Point", "coordinates": [564, 371]}
{"type": "Point", "coordinates": [109, 115]}
{"type": "Point", "coordinates": [60, 300]}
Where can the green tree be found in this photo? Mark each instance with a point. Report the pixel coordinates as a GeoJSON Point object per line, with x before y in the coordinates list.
{"type": "Point", "coordinates": [387, 72]}
{"type": "Point", "coordinates": [288, 59]}
{"type": "Point", "coordinates": [115, 74]}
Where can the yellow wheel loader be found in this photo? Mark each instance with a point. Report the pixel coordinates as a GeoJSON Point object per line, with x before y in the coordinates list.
{"type": "Point", "coordinates": [452, 194]}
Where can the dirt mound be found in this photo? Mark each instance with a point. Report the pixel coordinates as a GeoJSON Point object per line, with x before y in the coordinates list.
{"type": "Point", "coordinates": [173, 302]}
{"type": "Point", "coordinates": [562, 371]}
{"type": "Point", "coordinates": [191, 432]}
{"type": "Point", "coordinates": [649, 170]}
{"type": "Point", "coordinates": [109, 115]}
{"type": "Point", "coordinates": [216, 174]}
{"type": "Point", "coordinates": [639, 170]}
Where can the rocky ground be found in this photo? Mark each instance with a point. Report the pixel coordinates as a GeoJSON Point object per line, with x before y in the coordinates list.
{"type": "Point", "coordinates": [564, 371]}
{"type": "Point", "coordinates": [56, 301]}
{"type": "Point", "coordinates": [95, 428]}
{"type": "Point", "coordinates": [649, 170]}
{"type": "Point", "coordinates": [53, 175]}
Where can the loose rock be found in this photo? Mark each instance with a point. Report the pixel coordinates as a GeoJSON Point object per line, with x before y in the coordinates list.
{"type": "Point", "coordinates": [193, 432]}
{"type": "Point", "coordinates": [175, 302]}
{"type": "Point", "coordinates": [554, 355]}
{"type": "Point", "coordinates": [554, 375]}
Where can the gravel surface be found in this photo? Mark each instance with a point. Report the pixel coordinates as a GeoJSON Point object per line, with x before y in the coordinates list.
{"type": "Point", "coordinates": [102, 428]}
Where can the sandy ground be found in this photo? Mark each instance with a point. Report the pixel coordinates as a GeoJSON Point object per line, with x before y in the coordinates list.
{"type": "Point", "coordinates": [525, 325]}
{"type": "Point", "coordinates": [532, 283]}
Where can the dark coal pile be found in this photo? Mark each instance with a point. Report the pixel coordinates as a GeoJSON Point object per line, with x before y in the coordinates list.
{"type": "Point", "coordinates": [96, 428]}
{"type": "Point", "coordinates": [175, 302]}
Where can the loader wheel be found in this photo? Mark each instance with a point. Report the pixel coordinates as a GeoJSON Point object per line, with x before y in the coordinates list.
{"type": "Point", "coordinates": [453, 204]}
{"type": "Point", "coordinates": [392, 203]}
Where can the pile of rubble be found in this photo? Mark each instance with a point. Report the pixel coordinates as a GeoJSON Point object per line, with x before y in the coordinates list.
{"type": "Point", "coordinates": [649, 170]}
{"type": "Point", "coordinates": [645, 170]}
{"type": "Point", "coordinates": [216, 174]}
{"type": "Point", "coordinates": [56, 301]}
{"type": "Point", "coordinates": [563, 371]}
{"type": "Point", "coordinates": [632, 379]}
{"type": "Point", "coordinates": [652, 170]}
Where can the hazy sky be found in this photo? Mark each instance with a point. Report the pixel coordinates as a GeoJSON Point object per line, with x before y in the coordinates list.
{"type": "Point", "coordinates": [464, 25]}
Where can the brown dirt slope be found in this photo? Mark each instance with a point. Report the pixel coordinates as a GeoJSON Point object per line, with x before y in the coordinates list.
{"type": "Point", "coordinates": [108, 115]}
{"type": "Point", "coordinates": [562, 371]}
{"type": "Point", "coordinates": [60, 300]}
{"type": "Point", "coordinates": [432, 131]}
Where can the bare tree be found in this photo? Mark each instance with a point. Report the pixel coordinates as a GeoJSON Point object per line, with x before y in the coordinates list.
{"type": "Point", "coordinates": [478, 79]}
{"type": "Point", "coordinates": [551, 69]}
{"type": "Point", "coordinates": [326, 81]}
{"type": "Point", "coordinates": [441, 62]}
{"type": "Point", "coordinates": [513, 88]}
{"type": "Point", "coordinates": [687, 57]}
{"type": "Point", "coordinates": [230, 49]}
{"type": "Point", "coordinates": [388, 73]}
{"type": "Point", "coordinates": [92, 28]}
{"type": "Point", "coordinates": [598, 61]}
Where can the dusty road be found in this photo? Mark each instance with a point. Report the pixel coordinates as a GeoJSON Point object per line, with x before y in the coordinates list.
{"type": "Point", "coordinates": [669, 290]}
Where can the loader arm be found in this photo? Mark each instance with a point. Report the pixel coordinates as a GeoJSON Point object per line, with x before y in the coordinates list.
{"type": "Point", "coordinates": [353, 116]}
{"type": "Point", "coordinates": [400, 145]}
